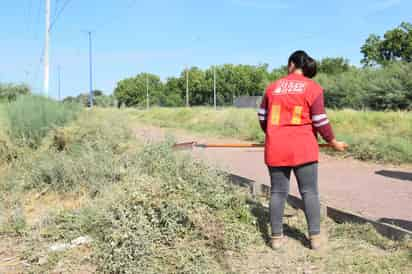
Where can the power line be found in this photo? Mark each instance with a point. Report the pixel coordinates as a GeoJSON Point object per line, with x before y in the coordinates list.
{"type": "Point", "coordinates": [91, 70]}
{"type": "Point", "coordinates": [59, 83]}
{"type": "Point", "coordinates": [147, 92]}
{"type": "Point", "coordinates": [129, 6]}
{"type": "Point", "coordinates": [56, 5]}
{"type": "Point", "coordinates": [37, 70]}
{"type": "Point", "coordinates": [187, 87]}
{"type": "Point", "coordinates": [46, 66]}
{"type": "Point", "coordinates": [37, 19]}
{"type": "Point", "coordinates": [28, 15]}
{"type": "Point", "coordinates": [214, 87]}
{"type": "Point", "coordinates": [36, 37]}
{"type": "Point", "coordinates": [59, 13]}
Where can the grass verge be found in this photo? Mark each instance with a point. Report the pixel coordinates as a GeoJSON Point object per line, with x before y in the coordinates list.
{"type": "Point", "coordinates": [29, 118]}
{"type": "Point", "coordinates": [150, 210]}
{"type": "Point", "coordinates": [373, 136]}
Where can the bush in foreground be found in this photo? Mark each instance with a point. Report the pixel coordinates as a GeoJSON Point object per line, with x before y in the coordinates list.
{"type": "Point", "coordinates": [150, 210]}
{"type": "Point", "coordinates": [10, 92]}
{"type": "Point", "coordinates": [85, 155]}
{"type": "Point", "coordinates": [169, 214]}
{"type": "Point", "coordinates": [31, 117]}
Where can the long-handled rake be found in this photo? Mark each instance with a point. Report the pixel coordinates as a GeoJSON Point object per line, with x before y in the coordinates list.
{"type": "Point", "coordinates": [191, 145]}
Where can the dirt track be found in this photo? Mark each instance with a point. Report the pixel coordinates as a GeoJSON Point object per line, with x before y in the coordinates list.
{"type": "Point", "coordinates": [372, 190]}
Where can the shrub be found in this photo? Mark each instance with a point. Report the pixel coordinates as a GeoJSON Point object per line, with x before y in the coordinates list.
{"type": "Point", "coordinates": [10, 92]}
{"type": "Point", "coordinates": [31, 117]}
{"type": "Point", "coordinates": [8, 151]}
{"type": "Point", "coordinates": [85, 155]}
{"type": "Point", "coordinates": [169, 214]}
{"type": "Point", "coordinates": [387, 88]}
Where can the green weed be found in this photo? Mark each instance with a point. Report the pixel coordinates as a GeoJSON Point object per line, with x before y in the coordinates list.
{"type": "Point", "coordinates": [31, 117]}
{"type": "Point", "coordinates": [152, 210]}
{"type": "Point", "coordinates": [372, 136]}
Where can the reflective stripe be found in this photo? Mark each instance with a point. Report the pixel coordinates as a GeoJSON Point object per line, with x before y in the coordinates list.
{"type": "Point", "coordinates": [275, 115]}
{"type": "Point", "coordinates": [316, 118]}
{"type": "Point", "coordinates": [262, 118]}
{"type": "Point", "coordinates": [262, 111]}
{"type": "Point", "coordinates": [321, 123]}
{"type": "Point", "coordinates": [297, 115]}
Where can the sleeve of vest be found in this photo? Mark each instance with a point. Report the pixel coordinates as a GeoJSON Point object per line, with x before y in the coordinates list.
{"type": "Point", "coordinates": [263, 113]}
{"type": "Point", "coordinates": [320, 120]}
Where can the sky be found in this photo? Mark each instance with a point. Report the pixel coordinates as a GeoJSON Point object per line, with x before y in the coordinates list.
{"type": "Point", "coordinates": [162, 37]}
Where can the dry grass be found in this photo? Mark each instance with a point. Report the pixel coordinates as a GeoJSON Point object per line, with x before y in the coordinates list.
{"type": "Point", "coordinates": [373, 136]}
{"type": "Point", "coordinates": [166, 213]}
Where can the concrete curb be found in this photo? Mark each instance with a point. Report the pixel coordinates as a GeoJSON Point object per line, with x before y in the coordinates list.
{"type": "Point", "coordinates": [338, 215]}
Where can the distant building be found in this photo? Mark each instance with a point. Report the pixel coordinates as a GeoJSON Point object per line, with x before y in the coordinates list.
{"type": "Point", "coordinates": [247, 101]}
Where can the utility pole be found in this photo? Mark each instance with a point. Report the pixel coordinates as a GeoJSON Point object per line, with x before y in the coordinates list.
{"type": "Point", "coordinates": [59, 83]}
{"type": "Point", "coordinates": [187, 87]}
{"type": "Point", "coordinates": [46, 51]}
{"type": "Point", "coordinates": [214, 87]}
{"type": "Point", "coordinates": [147, 92]}
{"type": "Point", "coordinates": [27, 73]}
{"type": "Point", "coordinates": [91, 70]}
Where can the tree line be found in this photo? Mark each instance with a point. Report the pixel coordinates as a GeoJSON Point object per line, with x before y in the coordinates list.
{"type": "Point", "coordinates": [231, 81]}
{"type": "Point", "coordinates": [99, 99]}
{"type": "Point", "coordinates": [384, 82]}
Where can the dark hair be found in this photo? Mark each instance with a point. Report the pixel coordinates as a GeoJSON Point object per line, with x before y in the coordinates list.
{"type": "Point", "coordinates": [303, 61]}
{"type": "Point", "coordinates": [310, 69]}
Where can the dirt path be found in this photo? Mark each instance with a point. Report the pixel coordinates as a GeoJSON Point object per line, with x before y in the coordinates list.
{"type": "Point", "coordinates": [377, 191]}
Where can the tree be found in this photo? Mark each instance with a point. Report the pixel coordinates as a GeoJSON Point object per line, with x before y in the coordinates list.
{"type": "Point", "coordinates": [199, 90]}
{"type": "Point", "coordinates": [132, 91]}
{"type": "Point", "coordinates": [70, 100]}
{"type": "Point", "coordinates": [10, 92]}
{"type": "Point", "coordinates": [278, 73]}
{"type": "Point", "coordinates": [396, 45]}
{"type": "Point", "coordinates": [333, 65]}
{"type": "Point", "coordinates": [173, 93]}
{"type": "Point", "coordinates": [238, 80]}
{"type": "Point", "coordinates": [98, 92]}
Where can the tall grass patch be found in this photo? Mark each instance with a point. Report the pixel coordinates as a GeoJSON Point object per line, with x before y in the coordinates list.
{"type": "Point", "coordinates": [229, 122]}
{"type": "Point", "coordinates": [87, 154]}
{"type": "Point", "coordinates": [377, 136]}
{"type": "Point", "coordinates": [372, 135]}
{"type": "Point", "coordinates": [30, 118]}
{"type": "Point", "coordinates": [150, 209]}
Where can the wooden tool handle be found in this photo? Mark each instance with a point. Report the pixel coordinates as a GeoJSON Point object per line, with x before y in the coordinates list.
{"type": "Point", "coordinates": [239, 145]}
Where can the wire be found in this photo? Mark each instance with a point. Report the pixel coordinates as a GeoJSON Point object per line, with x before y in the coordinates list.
{"type": "Point", "coordinates": [33, 20]}
{"type": "Point", "coordinates": [36, 22]}
{"type": "Point", "coordinates": [28, 15]}
{"type": "Point", "coordinates": [37, 72]}
{"type": "Point", "coordinates": [56, 5]}
{"type": "Point", "coordinates": [129, 5]}
{"type": "Point", "coordinates": [59, 13]}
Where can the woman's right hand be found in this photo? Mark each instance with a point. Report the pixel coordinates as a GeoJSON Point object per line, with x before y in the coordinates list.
{"type": "Point", "coordinates": [339, 146]}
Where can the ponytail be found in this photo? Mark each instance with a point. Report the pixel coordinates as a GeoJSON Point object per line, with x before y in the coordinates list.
{"type": "Point", "coordinates": [303, 61]}
{"type": "Point", "coordinates": [310, 68]}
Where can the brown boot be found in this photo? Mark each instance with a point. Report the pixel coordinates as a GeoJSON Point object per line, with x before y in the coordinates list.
{"type": "Point", "coordinates": [278, 241]}
{"type": "Point", "coordinates": [316, 242]}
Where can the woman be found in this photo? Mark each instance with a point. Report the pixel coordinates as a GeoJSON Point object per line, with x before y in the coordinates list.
{"type": "Point", "coordinates": [291, 114]}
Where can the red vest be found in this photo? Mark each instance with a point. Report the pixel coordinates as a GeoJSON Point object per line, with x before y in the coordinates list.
{"type": "Point", "coordinates": [290, 139]}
